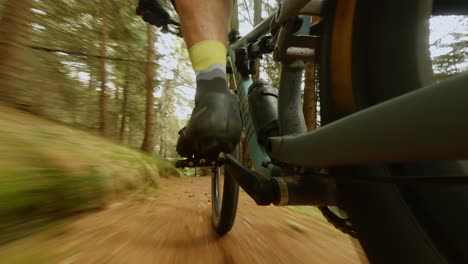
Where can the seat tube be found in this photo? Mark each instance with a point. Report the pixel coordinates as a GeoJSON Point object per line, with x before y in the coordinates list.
{"type": "Point", "coordinates": [291, 116]}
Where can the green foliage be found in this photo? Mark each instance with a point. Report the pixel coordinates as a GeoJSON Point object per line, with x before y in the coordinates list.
{"type": "Point", "coordinates": [33, 196]}
{"type": "Point", "coordinates": [450, 48]}
{"type": "Point", "coordinates": [62, 69]}
{"type": "Point", "coordinates": [166, 168]}
{"type": "Point", "coordinates": [49, 171]}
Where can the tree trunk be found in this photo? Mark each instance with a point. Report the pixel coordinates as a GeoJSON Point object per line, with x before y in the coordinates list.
{"type": "Point", "coordinates": [234, 21]}
{"type": "Point", "coordinates": [91, 98]}
{"type": "Point", "coordinates": [148, 140]}
{"type": "Point", "coordinates": [130, 134]}
{"type": "Point", "coordinates": [309, 107]}
{"type": "Point", "coordinates": [104, 37]}
{"type": "Point", "coordinates": [161, 143]}
{"type": "Point", "coordinates": [92, 81]}
{"type": "Point", "coordinates": [257, 12]}
{"type": "Point", "coordinates": [123, 121]}
{"type": "Point", "coordinates": [15, 32]}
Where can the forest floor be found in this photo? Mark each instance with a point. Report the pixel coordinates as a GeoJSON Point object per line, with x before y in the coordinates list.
{"type": "Point", "coordinates": [173, 226]}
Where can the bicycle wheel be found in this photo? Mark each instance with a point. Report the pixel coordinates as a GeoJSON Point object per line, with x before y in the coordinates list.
{"type": "Point", "coordinates": [373, 51]}
{"type": "Point", "coordinates": [224, 196]}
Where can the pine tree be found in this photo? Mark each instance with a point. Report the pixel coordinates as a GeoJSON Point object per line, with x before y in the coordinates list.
{"type": "Point", "coordinates": [149, 139]}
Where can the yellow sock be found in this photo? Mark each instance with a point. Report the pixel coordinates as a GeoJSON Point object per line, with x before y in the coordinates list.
{"type": "Point", "coordinates": [206, 53]}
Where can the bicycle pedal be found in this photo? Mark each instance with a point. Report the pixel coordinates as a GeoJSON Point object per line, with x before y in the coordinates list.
{"type": "Point", "coordinates": [199, 162]}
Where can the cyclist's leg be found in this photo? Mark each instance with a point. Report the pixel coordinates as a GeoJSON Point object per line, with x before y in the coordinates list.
{"type": "Point", "coordinates": [215, 122]}
{"type": "Point", "coordinates": [204, 20]}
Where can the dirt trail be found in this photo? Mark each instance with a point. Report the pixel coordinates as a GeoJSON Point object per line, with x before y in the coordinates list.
{"type": "Point", "coordinates": [175, 227]}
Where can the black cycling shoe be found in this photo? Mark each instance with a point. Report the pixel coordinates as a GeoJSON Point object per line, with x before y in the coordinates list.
{"type": "Point", "coordinates": [215, 126]}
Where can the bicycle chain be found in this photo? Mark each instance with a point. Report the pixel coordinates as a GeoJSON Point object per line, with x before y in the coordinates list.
{"type": "Point", "coordinates": [344, 225]}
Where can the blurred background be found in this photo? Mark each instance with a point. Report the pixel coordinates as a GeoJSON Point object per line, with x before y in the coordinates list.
{"type": "Point", "coordinates": [92, 98]}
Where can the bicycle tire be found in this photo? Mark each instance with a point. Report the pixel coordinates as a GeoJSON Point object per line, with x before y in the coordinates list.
{"type": "Point", "coordinates": [394, 224]}
{"type": "Point", "coordinates": [224, 209]}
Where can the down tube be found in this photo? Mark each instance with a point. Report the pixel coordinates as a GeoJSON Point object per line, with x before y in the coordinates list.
{"type": "Point", "coordinates": [257, 152]}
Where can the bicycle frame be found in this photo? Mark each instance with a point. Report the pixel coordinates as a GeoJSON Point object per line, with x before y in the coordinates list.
{"type": "Point", "coordinates": [293, 47]}
{"type": "Point", "coordinates": [291, 122]}
{"type": "Point", "coordinates": [388, 132]}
